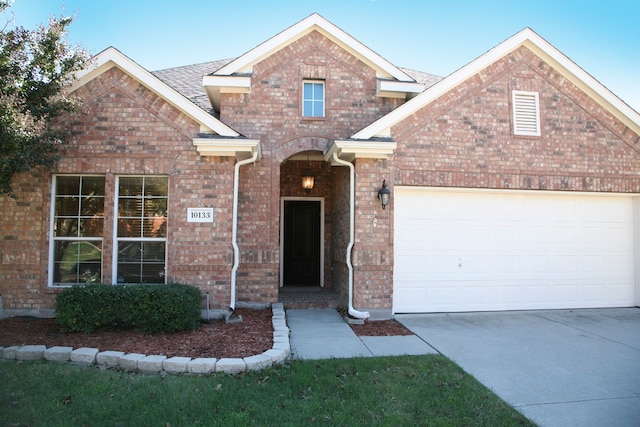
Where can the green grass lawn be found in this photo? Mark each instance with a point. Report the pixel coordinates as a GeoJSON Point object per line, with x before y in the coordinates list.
{"type": "Point", "coordinates": [388, 391]}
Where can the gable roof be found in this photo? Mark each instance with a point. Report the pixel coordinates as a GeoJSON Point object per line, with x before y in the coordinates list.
{"type": "Point", "coordinates": [528, 38]}
{"type": "Point", "coordinates": [234, 77]}
{"type": "Point", "coordinates": [215, 139]}
{"type": "Point", "coordinates": [112, 57]}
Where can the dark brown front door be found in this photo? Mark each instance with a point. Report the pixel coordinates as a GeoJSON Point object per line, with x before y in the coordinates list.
{"type": "Point", "coordinates": [301, 243]}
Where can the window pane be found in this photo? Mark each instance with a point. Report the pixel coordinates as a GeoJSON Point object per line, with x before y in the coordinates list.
{"type": "Point", "coordinates": [93, 186]}
{"type": "Point", "coordinates": [318, 92]}
{"type": "Point", "coordinates": [77, 262]}
{"type": "Point", "coordinates": [155, 186]}
{"type": "Point", "coordinates": [317, 109]}
{"type": "Point", "coordinates": [92, 206]}
{"type": "Point", "coordinates": [65, 227]}
{"type": "Point", "coordinates": [129, 251]}
{"type": "Point", "coordinates": [153, 252]}
{"type": "Point", "coordinates": [130, 227]}
{"type": "Point", "coordinates": [152, 273]}
{"type": "Point", "coordinates": [155, 207]}
{"type": "Point", "coordinates": [130, 186]}
{"type": "Point", "coordinates": [130, 208]}
{"type": "Point", "coordinates": [155, 227]}
{"type": "Point", "coordinates": [67, 206]}
{"type": "Point", "coordinates": [91, 227]}
{"type": "Point", "coordinates": [308, 91]}
{"type": "Point", "coordinates": [66, 185]}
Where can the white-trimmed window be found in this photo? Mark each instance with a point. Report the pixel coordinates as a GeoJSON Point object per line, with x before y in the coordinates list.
{"type": "Point", "coordinates": [313, 98]}
{"type": "Point", "coordinates": [526, 113]}
{"type": "Point", "coordinates": [76, 230]}
{"type": "Point", "coordinates": [140, 248]}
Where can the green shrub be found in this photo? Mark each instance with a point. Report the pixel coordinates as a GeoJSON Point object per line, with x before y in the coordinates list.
{"type": "Point", "coordinates": [147, 308]}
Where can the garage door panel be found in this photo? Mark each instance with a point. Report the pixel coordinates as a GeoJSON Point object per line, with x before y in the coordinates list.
{"type": "Point", "coordinates": [506, 251]}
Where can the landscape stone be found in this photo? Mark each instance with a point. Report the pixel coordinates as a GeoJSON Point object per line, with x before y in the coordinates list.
{"type": "Point", "coordinates": [10, 352]}
{"type": "Point", "coordinates": [30, 352]}
{"type": "Point", "coordinates": [257, 362]}
{"type": "Point", "coordinates": [129, 362]}
{"type": "Point", "coordinates": [231, 365]}
{"type": "Point", "coordinates": [277, 356]}
{"type": "Point", "coordinates": [202, 365]}
{"type": "Point", "coordinates": [84, 355]}
{"type": "Point", "coordinates": [58, 354]}
{"type": "Point", "coordinates": [176, 364]}
{"type": "Point", "coordinates": [110, 359]}
{"type": "Point", "coordinates": [151, 363]}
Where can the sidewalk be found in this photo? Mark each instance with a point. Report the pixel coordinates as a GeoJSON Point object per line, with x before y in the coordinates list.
{"type": "Point", "coordinates": [323, 334]}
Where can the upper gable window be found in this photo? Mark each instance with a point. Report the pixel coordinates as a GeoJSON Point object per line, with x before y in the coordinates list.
{"type": "Point", "coordinates": [526, 113]}
{"type": "Point", "coordinates": [313, 98]}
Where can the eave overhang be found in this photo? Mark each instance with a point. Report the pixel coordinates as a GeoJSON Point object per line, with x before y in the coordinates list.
{"type": "Point", "coordinates": [214, 85]}
{"type": "Point", "coordinates": [397, 89]}
{"type": "Point", "coordinates": [350, 150]}
{"type": "Point", "coordinates": [239, 148]}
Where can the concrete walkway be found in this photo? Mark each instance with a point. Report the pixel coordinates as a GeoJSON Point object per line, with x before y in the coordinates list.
{"type": "Point", "coordinates": [323, 334]}
{"type": "Point", "coordinates": [559, 368]}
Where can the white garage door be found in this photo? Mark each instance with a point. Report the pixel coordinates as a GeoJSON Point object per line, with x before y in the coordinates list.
{"type": "Point", "coordinates": [479, 251]}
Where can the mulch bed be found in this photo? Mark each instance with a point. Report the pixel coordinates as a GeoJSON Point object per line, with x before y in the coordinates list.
{"type": "Point", "coordinates": [254, 335]}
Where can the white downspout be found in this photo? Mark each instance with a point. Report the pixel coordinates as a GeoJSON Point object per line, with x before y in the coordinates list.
{"type": "Point", "coordinates": [352, 197]}
{"type": "Point", "coordinates": [234, 227]}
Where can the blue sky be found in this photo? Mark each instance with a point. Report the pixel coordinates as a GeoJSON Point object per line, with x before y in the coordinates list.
{"type": "Point", "coordinates": [603, 37]}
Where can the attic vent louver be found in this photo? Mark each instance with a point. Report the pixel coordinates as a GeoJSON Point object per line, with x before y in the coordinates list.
{"type": "Point", "coordinates": [526, 113]}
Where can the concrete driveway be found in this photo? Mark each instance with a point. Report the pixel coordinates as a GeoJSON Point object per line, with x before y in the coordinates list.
{"type": "Point", "coordinates": [559, 368]}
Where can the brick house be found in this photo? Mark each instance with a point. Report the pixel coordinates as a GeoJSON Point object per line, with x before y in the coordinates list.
{"type": "Point", "coordinates": [514, 182]}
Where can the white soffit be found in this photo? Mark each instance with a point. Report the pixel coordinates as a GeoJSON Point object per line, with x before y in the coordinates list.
{"type": "Point", "coordinates": [351, 150]}
{"type": "Point", "coordinates": [532, 41]}
{"type": "Point", "coordinates": [112, 57]}
{"type": "Point", "coordinates": [228, 147]}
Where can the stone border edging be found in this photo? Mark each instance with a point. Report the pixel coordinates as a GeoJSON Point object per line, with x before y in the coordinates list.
{"type": "Point", "coordinates": [135, 362]}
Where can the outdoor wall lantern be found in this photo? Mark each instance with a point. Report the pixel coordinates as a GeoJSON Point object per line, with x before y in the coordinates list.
{"type": "Point", "coordinates": [307, 178]}
{"type": "Point", "coordinates": [307, 181]}
{"type": "Point", "coordinates": [384, 194]}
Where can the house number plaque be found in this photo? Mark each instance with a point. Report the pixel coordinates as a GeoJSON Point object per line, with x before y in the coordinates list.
{"type": "Point", "coordinates": [199, 214]}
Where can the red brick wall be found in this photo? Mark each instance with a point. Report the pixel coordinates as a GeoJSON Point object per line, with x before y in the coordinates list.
{"type": "Point", "coordinates": [125, 129]}
{"type": "Point", "coordinates": [465, 138]}
{"type": "Point", "coordinates": [272, 113]}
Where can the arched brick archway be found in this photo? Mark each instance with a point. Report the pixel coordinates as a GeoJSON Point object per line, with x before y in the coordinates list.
{"type": "Point", "coordinates": [299, 145]}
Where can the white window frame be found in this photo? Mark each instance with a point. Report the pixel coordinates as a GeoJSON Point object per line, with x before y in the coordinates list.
{"type": "Point", "coordinates": [117, 240]}
{"type": "Point", "coordinates": [526, 113]}
{"type": "Point", "coordinates": [314, 99]}
{"type": "Point", "coordinates": [53, 239]}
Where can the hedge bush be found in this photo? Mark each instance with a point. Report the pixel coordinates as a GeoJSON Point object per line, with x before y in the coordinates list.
{"type": "Point", "coordinates": [147, 308]}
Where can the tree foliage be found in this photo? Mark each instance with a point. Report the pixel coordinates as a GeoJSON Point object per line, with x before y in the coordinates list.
{"type": "Point", "coordinates": [36, 68]}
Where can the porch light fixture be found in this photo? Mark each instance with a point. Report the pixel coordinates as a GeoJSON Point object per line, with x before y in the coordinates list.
{"type": "Point", "coordinates": [384, 194]}
{"type": "Point", "coordinates": [308, 179]}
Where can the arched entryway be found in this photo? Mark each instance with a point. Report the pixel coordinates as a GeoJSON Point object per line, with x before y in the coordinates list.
{"type": "Point", "coordinates": [307, 232]}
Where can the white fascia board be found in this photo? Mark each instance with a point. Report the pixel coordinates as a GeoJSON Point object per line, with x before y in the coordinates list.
{"type": "Point", "coordinates": [228, 147]}
{"type": "Point", "coordinates": [396, 89]}
{"type": "Point", "coordinates": [111, 57]}
{"type": "Point", "coordinates": [531, 40]}
{"type": "Point", "coordinates": [349, 150]}
{"type": "Point", "coordinates": [228, 84]}
{"type": "Point", "coordinates": [244, 63]}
